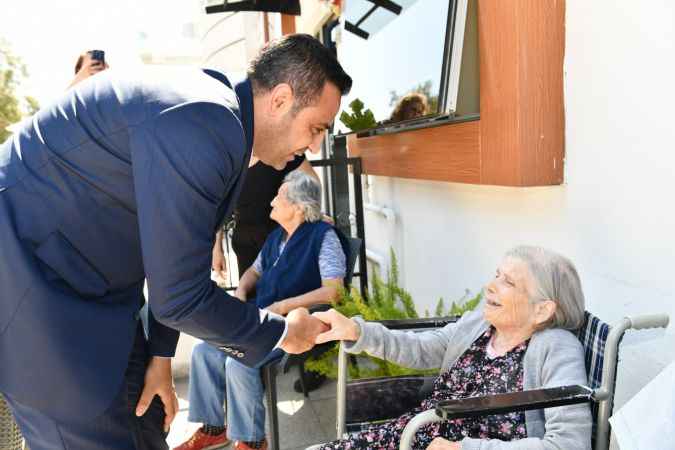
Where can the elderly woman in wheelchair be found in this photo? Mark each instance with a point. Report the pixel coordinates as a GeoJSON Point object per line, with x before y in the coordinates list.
{"type": "Point", "coordinates": [519, 338]}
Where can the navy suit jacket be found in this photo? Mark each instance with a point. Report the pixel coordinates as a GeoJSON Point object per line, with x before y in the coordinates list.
{"type": "Point", "coordinates": [122, 179]}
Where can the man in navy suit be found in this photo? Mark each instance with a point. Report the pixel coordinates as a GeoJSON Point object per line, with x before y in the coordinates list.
{"type": "Point", "coordinates": [125, 179]}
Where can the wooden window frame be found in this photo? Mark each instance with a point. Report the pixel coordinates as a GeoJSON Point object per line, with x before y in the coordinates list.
{"type": "Point", "coordinates": [518, 139]}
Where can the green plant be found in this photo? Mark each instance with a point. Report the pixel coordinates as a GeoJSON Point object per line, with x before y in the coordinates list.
{"type": "Point", "coordinates": [387, 300]}
{"type": "Point", "coordinates": [13, 105]}
{"type": "Point", "coordinates": [358, 119]}
{"type": "Point", "coordinates": [464, 304]}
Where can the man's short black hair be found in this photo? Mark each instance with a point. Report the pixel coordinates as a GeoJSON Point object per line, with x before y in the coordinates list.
{"type": "Point", "coordinates": [300, 61]}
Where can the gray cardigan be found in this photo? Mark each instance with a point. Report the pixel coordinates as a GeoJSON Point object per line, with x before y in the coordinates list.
{"type": "Point", "coordinates": [554, 357]}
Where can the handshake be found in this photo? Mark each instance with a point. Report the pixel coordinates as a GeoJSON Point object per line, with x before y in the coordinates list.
{"type": "Point", "coordinates": [305, 330]}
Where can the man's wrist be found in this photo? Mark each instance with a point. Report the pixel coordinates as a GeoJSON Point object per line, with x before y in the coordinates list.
{"type": "Point", "coordinates": [283, 336]}
{"type": "Point", "coordinates": [161, 362]}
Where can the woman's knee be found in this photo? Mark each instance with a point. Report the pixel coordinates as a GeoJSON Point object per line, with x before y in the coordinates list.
{"type": "Point", "coordinates": [204, 354]}
{"type": "Point", "coordinates": [240, 372]}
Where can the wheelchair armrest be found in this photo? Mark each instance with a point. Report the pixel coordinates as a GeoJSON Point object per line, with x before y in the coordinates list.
{"type": "Point", "coordinates": [418, 323]}
{"type": "Point", "coordinates": [514, 401]}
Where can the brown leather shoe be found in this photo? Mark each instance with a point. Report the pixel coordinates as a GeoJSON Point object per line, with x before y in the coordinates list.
{"type": "Point", "coordinates": [239, 445]}
{"type": "Point", "coordinates": [203, 441]}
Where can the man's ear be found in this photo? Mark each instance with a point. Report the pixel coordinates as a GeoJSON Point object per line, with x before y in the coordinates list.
{"type": "Point", "coordinates": [544, 311]}
{"type": "Point", "coordinates": [281, 100]}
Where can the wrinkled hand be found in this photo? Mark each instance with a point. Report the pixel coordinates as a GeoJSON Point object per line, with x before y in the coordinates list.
{"type": "Point", "coordinates": [278, 308]}
{"type": "Point", "coordinates": [219, 264]}
{"type": "Point", "coordinates": [302, 331]}
{"type": "Point", "coordinates": [341, 328]}
{"type": "Point", "coordinates": [159, 381]}
{"type": "Point", "coordinates": [443, 444]}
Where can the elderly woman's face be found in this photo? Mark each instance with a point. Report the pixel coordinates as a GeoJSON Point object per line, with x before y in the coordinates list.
{"type": "Point", "coordinates": [283, 210]}
{"type": "Point", "coordinates": [507, 297]}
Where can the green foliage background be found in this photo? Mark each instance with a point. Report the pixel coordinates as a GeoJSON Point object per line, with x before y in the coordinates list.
{"type": "Point", "coordinates": [387, 300]}
{"type": "Point", "coordinates": [12, 105]}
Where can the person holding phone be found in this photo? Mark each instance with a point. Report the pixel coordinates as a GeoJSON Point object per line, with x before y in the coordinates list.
{"type": "Point", "coordinates": [89, 63]}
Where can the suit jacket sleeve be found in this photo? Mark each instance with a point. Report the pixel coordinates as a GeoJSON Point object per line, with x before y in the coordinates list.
{"type": "Point", "coordinates": [185, 161]}
{"type": "Point", "coordinates": [161, 339]}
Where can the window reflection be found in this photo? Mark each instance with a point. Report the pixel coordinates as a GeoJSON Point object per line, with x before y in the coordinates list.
{"type": "Point", "coordinates": [395, 59]}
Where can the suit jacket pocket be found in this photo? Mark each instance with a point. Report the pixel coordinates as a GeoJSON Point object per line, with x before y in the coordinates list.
{"type": "Point", "coordinates": [71, 266]}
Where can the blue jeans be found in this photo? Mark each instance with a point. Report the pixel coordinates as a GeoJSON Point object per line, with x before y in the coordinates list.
{"type": "Point", "coordinates": [211, 371]}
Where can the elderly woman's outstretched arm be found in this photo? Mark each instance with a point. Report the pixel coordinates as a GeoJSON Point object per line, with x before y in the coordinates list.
{"type": "Point", "coordinates": [423, 350]}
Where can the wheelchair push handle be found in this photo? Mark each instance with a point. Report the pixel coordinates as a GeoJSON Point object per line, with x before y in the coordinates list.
{"type": "Point", "coordinates": [649, 321]}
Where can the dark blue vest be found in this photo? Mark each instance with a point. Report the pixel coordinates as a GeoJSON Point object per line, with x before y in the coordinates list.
{"type": "Point", "coordinates": [296, 270]}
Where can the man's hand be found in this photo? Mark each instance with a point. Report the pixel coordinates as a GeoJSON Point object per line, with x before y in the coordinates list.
{"type": "Point", "coordinates": [341, 328]}
{"type": "Point", "coordinates": [158, 381]}
{"type": "Point", "coordinates": [443, 444]}
{"type": "Point", "coordinates": [302, 331]}
{"type": "Point", "coordinates": [218, 263]}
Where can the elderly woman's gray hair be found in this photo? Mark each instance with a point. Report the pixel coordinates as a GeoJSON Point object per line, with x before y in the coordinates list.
{"type": "Point", "coordinates": [555, 278]}
{"type": "Point", "coordinates": [305, 191]}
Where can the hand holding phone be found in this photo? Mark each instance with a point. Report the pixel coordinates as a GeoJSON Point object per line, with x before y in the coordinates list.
{"type": "Point", "coordinates": [98, 55]}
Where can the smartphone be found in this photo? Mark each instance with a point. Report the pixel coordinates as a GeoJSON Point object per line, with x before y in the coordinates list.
{"type": "Point", "coordinates": [98, 55]}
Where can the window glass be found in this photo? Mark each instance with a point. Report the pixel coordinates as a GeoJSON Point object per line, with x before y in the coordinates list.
{"type": "Point", "coordinates": [395, 60]}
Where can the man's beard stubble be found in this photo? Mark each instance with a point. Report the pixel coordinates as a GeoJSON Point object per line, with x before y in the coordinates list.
{"type": "Point", "coordinates": [275, 147]}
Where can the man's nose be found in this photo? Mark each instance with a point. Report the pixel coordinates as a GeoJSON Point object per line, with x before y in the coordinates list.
{"type": "Point", "coordinates": [315, 146]}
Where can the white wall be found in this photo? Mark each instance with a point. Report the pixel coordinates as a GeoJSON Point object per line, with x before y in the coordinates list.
{"type": "Point", "coordinates": [230, 40]}
{"type": "Point", "coordinates": [614, 216]}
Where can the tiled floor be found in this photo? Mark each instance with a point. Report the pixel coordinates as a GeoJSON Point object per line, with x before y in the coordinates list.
{"type": "Point", "coordinates": [302, 422]}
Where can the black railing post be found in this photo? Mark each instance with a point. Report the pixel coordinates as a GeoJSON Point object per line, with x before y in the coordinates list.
{"type": "Point", "coordinates": [341, 166]}
{"type": "Point", "coordinates": [340, 185]}
{"type": "Point", "coordinates": [360, 224]}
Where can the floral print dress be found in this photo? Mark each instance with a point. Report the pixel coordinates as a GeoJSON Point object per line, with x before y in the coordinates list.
{"type": "Point", "coordinates": [474, 374]}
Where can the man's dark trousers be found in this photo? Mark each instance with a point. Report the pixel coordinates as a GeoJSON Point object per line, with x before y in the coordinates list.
{"type": "Point", "coordinates": [117, 428]}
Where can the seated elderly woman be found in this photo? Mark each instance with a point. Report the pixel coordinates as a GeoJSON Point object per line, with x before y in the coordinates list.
{"type": "Point", "coordinates": [302, 263]}
{"type": "Point", "coordinates": [517, 339]}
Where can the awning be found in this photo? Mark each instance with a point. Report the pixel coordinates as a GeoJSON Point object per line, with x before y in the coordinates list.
{"type": "Point", "coordinates": [291, 7]}
{"type": "Point", "coordinates": [366, 17]}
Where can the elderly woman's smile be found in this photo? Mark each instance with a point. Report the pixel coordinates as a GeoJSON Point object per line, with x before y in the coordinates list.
{"type": "Point", "coordinates": [511, 305]}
